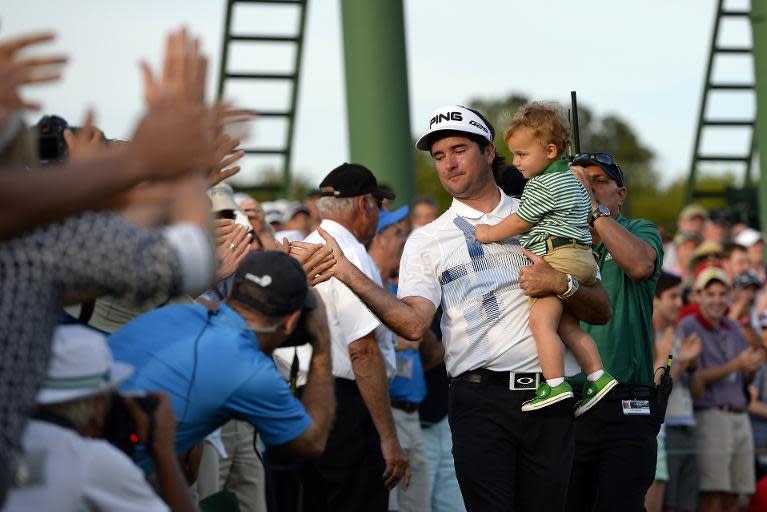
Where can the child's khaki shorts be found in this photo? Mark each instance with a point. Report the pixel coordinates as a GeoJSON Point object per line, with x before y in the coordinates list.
{"type": "Point", "coordinates": [574, 259]}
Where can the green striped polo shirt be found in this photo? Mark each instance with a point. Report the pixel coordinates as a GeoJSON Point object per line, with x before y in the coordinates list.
{"type": "Point", "coordinates": [558, 205]}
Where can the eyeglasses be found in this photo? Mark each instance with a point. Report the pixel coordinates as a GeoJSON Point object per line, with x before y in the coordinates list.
{"type": "Point", "coordinates": [379, 201]}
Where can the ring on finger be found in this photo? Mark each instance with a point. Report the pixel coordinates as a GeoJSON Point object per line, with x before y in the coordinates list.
{"type": "Point", "coordinates": [232, 247]}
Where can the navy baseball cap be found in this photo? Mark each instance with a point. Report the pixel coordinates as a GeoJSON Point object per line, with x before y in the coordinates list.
{"type": "Point", "coordinates": [272, 282]}
{"type": "Point", "coordinates": [605, 162]}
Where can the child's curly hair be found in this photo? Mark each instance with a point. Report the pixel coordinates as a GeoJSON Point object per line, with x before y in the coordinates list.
{"type": "Point", "coordinates": [546, 122]}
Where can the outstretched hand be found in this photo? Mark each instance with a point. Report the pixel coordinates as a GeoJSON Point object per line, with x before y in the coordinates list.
{"type": "Point", "coordinates": [16, 71]}
{"type": "Point", "coordinates": [343, 266]}
{"type": "Point", "coordinates": [183, 73]}
{"type": "Point", "coordinates": [226, 155]}
{"type": "Point", "coordinates": [316, 259]}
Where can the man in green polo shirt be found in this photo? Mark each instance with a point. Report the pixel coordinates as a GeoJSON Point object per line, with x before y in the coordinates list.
{"type": "Point", "coordinates": [615, 446]}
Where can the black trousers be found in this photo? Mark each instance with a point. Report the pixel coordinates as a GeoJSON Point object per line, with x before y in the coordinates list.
{"type": "Point", "coordinates": [506, 459]}
{"type": "Point", "coordinates": [348, 476]}
{"type": "Point", "coordinates": [614, 457]}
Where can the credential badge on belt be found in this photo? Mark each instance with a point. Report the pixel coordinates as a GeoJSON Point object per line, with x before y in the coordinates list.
{"type": "Point", "coordinates": [636, 407]}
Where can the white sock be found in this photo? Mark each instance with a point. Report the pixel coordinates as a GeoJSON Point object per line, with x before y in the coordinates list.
{"type": "Point", "coordinates": [555, 382]}
{"type": "Point", "coordinates": [593, 377]}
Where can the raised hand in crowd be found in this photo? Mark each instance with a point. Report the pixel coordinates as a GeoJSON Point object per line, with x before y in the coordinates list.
{"type": "Point", "coordinates": [161, 446]}
{"type": "Point", "coordinates": [231, 248]}
{"type": "Point", "coordinates": [88, 142]}
{"type": "Point", "coordinates": [174, 138]}
{"type": "Point", "coordinates": [226, 155]}
{"type": "Point", "coordinates": [182, 79]}
{"type": "Point", "coordinates": [17, 71]}
{"type": "Point", "coordinates": [317, 260]}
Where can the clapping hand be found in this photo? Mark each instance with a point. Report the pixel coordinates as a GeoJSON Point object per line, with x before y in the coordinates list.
{"type": "Point", "coordinates": [16, 71]}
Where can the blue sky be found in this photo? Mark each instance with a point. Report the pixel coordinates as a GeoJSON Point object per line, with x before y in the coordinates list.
{"type": "Point", "coordinates": [642, 60]}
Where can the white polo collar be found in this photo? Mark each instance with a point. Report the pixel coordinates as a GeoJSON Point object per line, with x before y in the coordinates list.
{"type": "Point", "coordinates": [503, 209]}
{"type": "Point", "coordinates": [341, 234]}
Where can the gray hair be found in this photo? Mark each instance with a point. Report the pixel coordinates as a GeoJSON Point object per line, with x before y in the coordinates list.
{"type": "Point", "coordinates": [78, 412]}
{"type": "Point", "coordinates": [335, 206]}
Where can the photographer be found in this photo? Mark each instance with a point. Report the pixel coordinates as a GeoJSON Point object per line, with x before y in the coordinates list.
{"type": "Point", "coordinates": [67, 465]}
{"type": "Point", "coordinates": [217, 366]}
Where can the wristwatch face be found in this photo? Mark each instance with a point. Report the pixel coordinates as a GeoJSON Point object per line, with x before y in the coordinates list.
{"type": "Point", "coordinates": [601, 211]}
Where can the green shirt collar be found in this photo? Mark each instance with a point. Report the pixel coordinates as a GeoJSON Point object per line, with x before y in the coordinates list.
{"type": "Point", "coordinates": [557, 166]}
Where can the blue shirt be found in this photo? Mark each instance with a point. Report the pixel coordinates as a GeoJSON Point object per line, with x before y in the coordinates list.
{"type": "Point", "coordinates": [410, 383]}
{"type": "Point", "coordinates": [213, 370]}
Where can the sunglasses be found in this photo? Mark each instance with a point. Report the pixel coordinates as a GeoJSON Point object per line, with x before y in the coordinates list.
{"type": "Point", "coordinates": [604, 159]}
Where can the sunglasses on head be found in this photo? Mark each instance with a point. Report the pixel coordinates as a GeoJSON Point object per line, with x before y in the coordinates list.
{"type": "Point", "coordinates": [602, 158]}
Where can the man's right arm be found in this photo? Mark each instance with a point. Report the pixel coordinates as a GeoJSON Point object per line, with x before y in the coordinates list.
{"type": "Point", "coordinates": [409, 317]}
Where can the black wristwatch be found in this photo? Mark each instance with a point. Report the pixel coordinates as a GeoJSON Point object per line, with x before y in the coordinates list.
{"type": "Point", "coordinates": [600, 211]}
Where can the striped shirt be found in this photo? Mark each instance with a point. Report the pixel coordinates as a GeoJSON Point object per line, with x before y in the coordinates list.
{"type": "Point", "coordinates": [558, 205]}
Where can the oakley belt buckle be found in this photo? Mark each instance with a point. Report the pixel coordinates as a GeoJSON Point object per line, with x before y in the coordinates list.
{"type": "Point", "coordinates": [520, 381]}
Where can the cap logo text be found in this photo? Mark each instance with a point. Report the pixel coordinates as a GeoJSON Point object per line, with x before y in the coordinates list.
{"type": "Point", "coordinates": [450, 116]}
{"type": "Point", "coordinates": [474, 123]}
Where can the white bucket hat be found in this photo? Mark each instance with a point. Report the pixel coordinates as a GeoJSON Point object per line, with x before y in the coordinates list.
{"type": "Point", "coordinates": [81, 365]}
{"type": "Point", "coordinates": [455, 118]}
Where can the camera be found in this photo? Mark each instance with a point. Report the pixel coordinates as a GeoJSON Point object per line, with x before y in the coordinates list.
{"type": "Point", "coordinates": [120, 429]}
{"type": "Point", "coordinates": [301, 335]}
{"type": "Point", "coordinates": [51, 145]}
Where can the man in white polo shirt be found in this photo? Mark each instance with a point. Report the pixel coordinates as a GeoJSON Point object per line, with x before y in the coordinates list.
{"type": "Point", "coordinates": [363, 457]}
{"type": "Point", "coordinates": [505, 459]}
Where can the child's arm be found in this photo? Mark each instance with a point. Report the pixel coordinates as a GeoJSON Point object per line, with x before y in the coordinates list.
{"type": "Point", "coordinates": [508, 227]}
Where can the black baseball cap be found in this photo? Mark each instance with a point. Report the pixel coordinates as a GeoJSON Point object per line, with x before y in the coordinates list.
{"type": "Point", "coordinates": [273, 283]}
{"type": "Point", "coordinates": [605, 162]}
{"type": "Point", "coordinates": [351, 180]}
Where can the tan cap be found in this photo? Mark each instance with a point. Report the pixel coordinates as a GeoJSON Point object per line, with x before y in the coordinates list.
{"type": "Point", "coordinates": [693, 210]}
{"type": "Point", "coordinates": [709, 274]}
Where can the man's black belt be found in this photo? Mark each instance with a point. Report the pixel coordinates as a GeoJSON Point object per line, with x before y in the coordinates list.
{"type": "Point", "coordinates": [516, 381]}
{"type": "Point", "coordinates": [403, 405]}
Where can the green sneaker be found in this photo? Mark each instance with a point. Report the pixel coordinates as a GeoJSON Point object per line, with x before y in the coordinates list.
{"type": "Point", "coordinates": [593, 392]}
{"type": "Point", "coordinates": [546, 395]}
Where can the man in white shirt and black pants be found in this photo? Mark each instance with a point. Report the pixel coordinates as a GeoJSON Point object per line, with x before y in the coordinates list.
{"type": "Point", "coordinates": [363, 458]}
{"type": "Point", "coordinates": [505, 459]}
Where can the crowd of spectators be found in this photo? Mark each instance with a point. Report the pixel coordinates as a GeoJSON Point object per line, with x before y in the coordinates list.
{"type": "Point", "coordinates": [167, 343]}
{"type": "Point", "coordinates": [709, 313]}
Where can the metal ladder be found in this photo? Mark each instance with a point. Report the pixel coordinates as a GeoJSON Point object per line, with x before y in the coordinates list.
{"type": "Point", "coordinates": [228, 75]}
{"type": "Point", "coordinates": [713, 86]}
